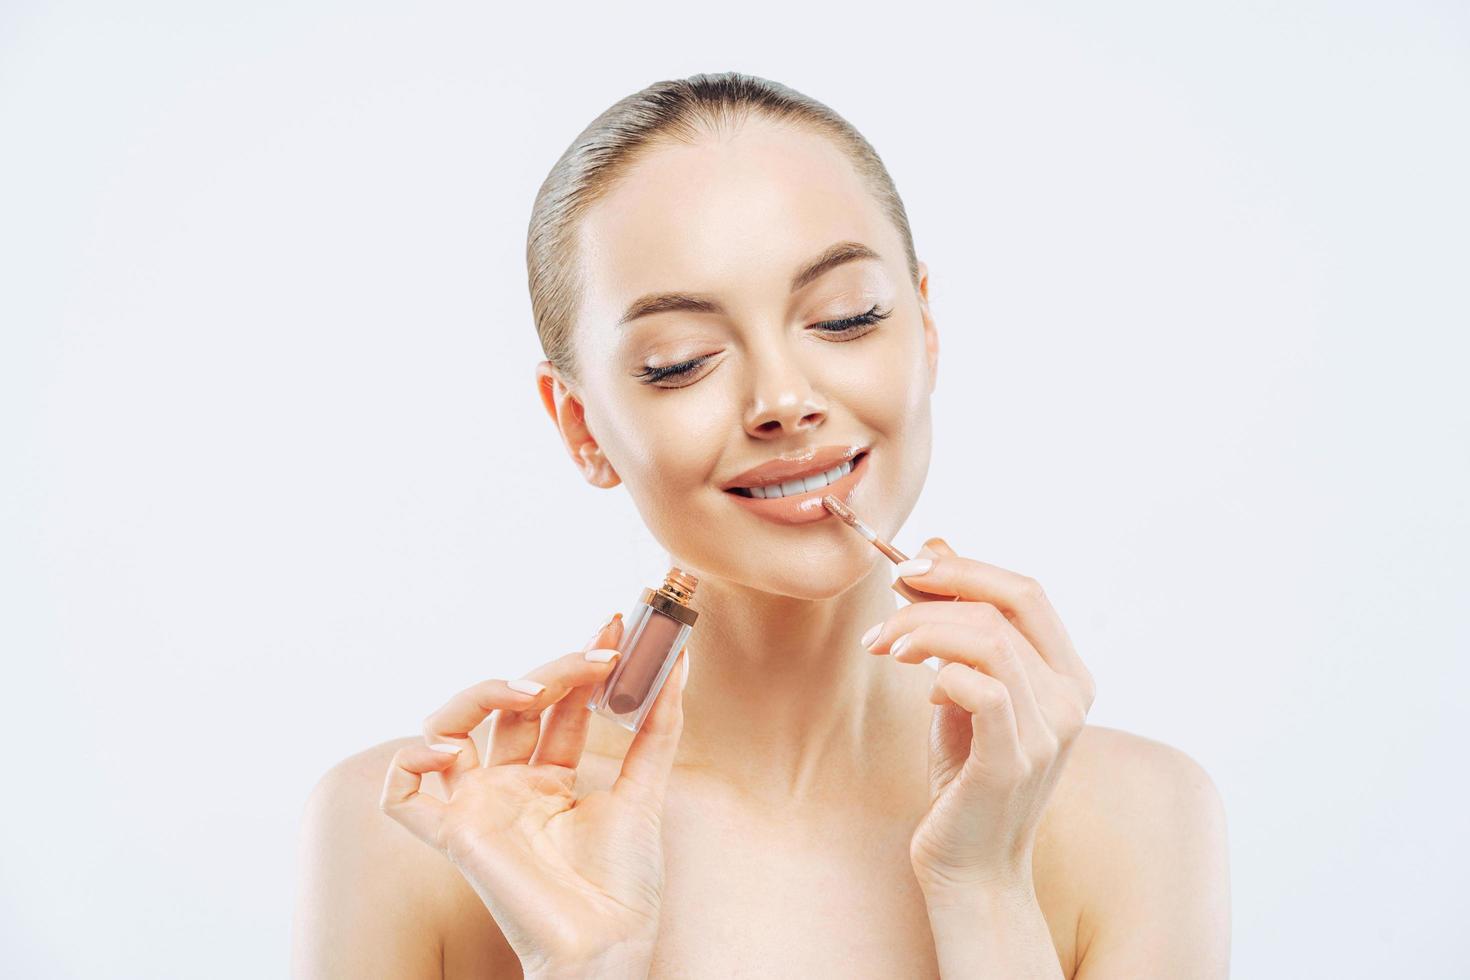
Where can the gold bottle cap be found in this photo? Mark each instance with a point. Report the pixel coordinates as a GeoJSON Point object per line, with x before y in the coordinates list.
{"type": "Point", "coordinates": [679, 585]}
{"type": "Point", "coordinates": [672, 598]}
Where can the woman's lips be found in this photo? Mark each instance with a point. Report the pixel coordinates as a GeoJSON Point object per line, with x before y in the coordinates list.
{"type": "Point", "coordinates": [804, 508]}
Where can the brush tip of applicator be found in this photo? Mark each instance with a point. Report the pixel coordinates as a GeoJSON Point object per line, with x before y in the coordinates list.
{"type": "Point", "coordinates": [834, 504]}
{"type": "Point", "coordinates": [838, 508]}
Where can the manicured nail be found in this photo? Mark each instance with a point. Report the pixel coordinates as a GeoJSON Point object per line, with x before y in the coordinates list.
{"type": "Point", "coordinates": [525, 686]}
{"type": "Point", "coordinates": [600, 655]}
{"type": "Point", "coordinates": [605, 624]}
{"type": "Point", "coordinates": [871, 636]}
{"type": "Point", "coordinates": [898, 645]}
{"type": "Point", "coordinates": [447, 748]}
{"type": "Point", "coordinates": [914, 566]}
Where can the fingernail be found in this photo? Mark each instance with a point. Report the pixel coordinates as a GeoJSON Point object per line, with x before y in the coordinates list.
{"type": "Point", "coordinates": [898, 645]}
{"type": "Point", "coordinates": [525, 686]}
{"type": "Point", "coordinates": [871, 636]}
{"type": "Point", "coordinates": [684, 679]}
{"type": "Point", "coordinates": [914, 566]}
{"type": "Point", "coordinates": [600, 655]}
{"type": "Point", "coordinates": [447, 747]}
{"type": "Point", "coordinates": [605, 624]}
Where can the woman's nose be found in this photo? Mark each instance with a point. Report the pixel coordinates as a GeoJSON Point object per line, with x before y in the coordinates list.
{"type": "Point", "coordinates": [784, 403]}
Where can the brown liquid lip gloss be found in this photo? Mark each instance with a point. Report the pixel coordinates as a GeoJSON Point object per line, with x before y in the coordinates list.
{"type": "Point", "coordinates": [653, 635]}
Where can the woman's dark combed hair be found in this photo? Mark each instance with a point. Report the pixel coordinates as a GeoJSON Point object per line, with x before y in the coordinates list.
{"type": "Point", "coordinates": [682, 110]}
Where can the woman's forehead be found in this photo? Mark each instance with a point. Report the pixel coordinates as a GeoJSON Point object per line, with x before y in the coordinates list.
{"type": "Point", "coordinates": [740, 215]}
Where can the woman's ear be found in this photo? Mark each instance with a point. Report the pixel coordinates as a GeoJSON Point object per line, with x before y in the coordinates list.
{"type": "Point", "coordinates": [931, 335]}
{"type": "Point", "coordinates": [570, 418]}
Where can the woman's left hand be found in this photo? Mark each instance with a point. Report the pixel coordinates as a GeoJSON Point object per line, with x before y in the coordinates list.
{"type": "Point", "coordinates": [1012, 697]}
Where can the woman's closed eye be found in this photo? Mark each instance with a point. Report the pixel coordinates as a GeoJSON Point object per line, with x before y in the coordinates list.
{"type": "Point", "coordinates": [848, 328]}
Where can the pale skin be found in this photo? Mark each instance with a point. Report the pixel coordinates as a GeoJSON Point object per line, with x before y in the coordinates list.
{"type": "Point", "coordinates": [804, 806]}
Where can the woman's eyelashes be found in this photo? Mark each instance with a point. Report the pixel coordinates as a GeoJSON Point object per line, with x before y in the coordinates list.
{"type": "Point", "coordinates": [849, 328]}
{"type": "Point", "coordinates": [862, 319]}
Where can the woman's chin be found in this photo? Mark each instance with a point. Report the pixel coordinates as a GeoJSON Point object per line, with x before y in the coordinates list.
{"type": "Point", "coordinates": [809, 576]}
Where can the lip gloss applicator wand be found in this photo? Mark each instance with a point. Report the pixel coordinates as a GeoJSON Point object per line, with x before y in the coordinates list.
{"type": "Point", "coordinates": [846, 515]}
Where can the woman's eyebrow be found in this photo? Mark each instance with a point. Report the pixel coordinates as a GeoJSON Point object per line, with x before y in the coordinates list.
{"type": "Point", "coordinates": [831, 257]}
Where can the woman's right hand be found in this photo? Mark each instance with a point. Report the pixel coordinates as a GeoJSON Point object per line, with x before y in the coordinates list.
{"type": "Point", "coordinates": [574, 885]}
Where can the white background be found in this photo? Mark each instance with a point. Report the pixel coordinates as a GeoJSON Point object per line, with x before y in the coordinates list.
{"type": "Point", "coordinates": [276, 481]}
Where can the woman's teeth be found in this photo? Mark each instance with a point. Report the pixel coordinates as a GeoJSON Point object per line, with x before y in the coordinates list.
{"type": "Point", "coordinates": [802, 485]}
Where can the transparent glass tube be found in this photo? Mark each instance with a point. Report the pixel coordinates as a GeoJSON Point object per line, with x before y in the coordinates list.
{"type": "Point", "coordinates": [653, 634]}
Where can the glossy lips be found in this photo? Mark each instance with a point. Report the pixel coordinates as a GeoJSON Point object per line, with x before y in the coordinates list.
{"type": "Point", "coordinates": [805, 508]}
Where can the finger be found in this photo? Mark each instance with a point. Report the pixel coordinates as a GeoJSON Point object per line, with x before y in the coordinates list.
{"type": "Point", "coordinates": [936, 546]}
{"type": "Point", "coordinates": [994, 738]}
{"type": "Point", "coordinates": [401, 798]}
{"type": "Point", "coordinates": [564, 730]}
{"type": "Point", "coordinates": [463, 712]}
{"type": "Point", "coordinates": [1064, 698]}
{"type": "Point", "coordinates": [516, 729]}
{"type": "Point", "coordinates": [931, 548]}
{"type": "Point", "coordinates": [982, 617]}
{"type": "Point", "coordinates": [513, 736]}
{"type": "Point", "coordinates": [989, 651]}
{"type": "Point", "coordinates": [460, 715]}
{"type": "Point", "coordinates": [645, 771]}
{"type": "Point", "coordinates": [1061, 701]}
{"type": "Point", "coordinates": [1020, 597]}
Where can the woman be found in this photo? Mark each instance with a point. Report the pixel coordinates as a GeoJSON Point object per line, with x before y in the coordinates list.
{"type": "Point", "coordinates": [722, 274]}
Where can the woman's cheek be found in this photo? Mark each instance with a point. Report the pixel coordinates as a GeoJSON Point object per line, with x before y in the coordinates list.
{"type": "Point", "coordinates": [879, 387]}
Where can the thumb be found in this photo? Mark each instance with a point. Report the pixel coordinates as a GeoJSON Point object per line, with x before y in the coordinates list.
{"type": "Point", "coordinates": [645, 772]}
{"type": "Point", "coordinates": [932, 548]}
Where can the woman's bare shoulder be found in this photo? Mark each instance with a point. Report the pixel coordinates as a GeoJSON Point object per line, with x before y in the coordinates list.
{"type": "Point", "coordinates": [372, 894]}
{"type": "Point", "coordinates": [344, 806]}
{"type": "Point", "coordinates": [1101, 756]}
{"type": "Point", "coordinates": [1117, 786]}
{"type": "Point", "coordinates": [1137, 836]}
{"type": "Point", "coordinates": [359, 777]}
{"type": "Point", "coordinates": [344, 820]}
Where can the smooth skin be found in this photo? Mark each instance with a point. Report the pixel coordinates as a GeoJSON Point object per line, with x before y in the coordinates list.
{"type": "Point", "coordinates": [824, 809]}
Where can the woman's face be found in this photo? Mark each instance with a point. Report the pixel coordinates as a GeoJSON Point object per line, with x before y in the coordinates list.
{"type": "Point", "coordinates": [732, 220]}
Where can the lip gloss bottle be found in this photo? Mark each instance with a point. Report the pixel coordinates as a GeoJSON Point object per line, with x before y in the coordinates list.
{"type": "Point", "coordinates": [653, 635]}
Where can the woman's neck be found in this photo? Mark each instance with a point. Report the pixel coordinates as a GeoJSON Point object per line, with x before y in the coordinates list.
{"type": "Point", "coordinates": [784, 703]}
